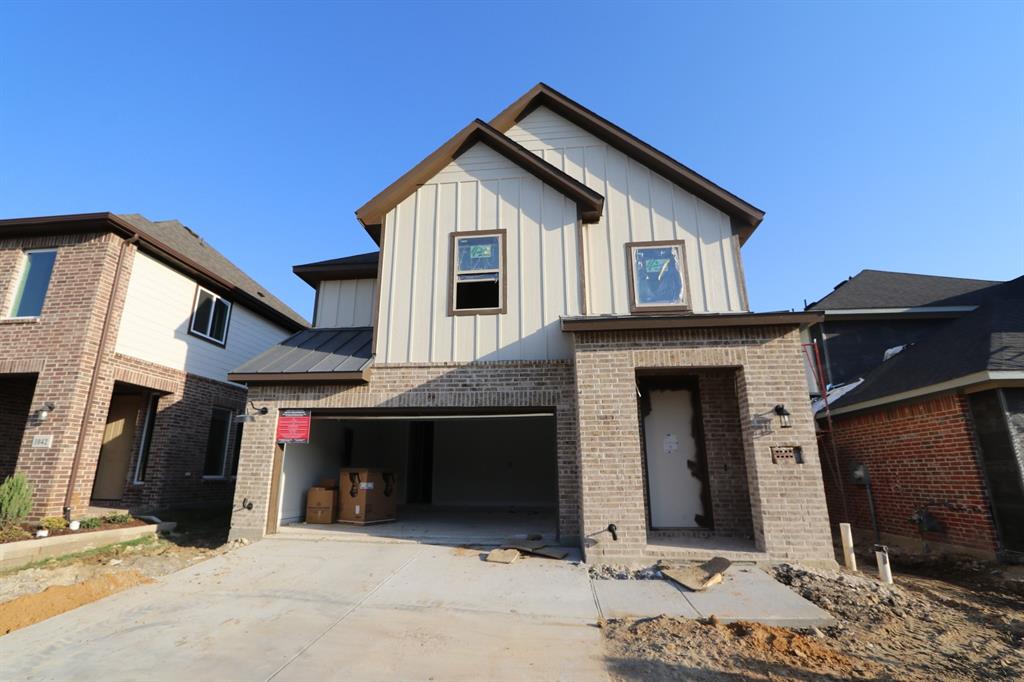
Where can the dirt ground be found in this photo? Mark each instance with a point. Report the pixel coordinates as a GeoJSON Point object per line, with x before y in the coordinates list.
{"type": "Point", "coordinates": [60, 584]}
{"type": "Point", "coordinates": [966, 625]}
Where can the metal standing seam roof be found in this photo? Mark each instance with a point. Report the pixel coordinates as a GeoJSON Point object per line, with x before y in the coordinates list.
{"type": "Point", "coordinates": [317, 353]}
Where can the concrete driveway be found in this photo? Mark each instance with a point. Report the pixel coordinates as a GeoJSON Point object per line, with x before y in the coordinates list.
{"type": "Point", "coordinates": [306, 609]}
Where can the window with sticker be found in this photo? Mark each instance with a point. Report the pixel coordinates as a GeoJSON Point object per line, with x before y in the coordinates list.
{"type": "Point", "coordinates": [478, 272]}
{"type": "Point", "coordinates": [658, 276]}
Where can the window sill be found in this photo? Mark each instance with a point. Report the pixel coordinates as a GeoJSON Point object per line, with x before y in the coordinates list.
{"type": "Point", "coordinates": [19, 320]}
{"type": "Point", "coordinates": [476, 311]}
{"type": "Point", "coordinates": [208, 339]}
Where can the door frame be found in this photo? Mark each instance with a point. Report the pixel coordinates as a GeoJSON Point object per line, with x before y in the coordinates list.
{"type": "Point", "coordinates": [274, 503]}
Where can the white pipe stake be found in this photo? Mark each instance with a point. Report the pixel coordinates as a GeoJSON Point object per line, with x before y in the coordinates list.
{"type": "Point", "coordinates": [884, 572]}
{"type": "Point", "coordinates": [847, 538]}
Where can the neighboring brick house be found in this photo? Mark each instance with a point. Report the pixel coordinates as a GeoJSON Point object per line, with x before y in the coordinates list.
{"type": "Point", "coordinates": [116, 336]}
{"type": "Point", "coordinates": [939, 425]}
{"type": "Point", "coordinates": [554, 337]}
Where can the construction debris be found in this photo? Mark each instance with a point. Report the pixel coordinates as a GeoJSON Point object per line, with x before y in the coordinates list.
{"type": "Point", "coordinates": [502, 556]}
{"type": "Point", "coordinates": [697, 577]}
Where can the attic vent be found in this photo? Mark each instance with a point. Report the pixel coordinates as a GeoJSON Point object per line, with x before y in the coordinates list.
{"type": "Point", "coordinates": [787, 454]}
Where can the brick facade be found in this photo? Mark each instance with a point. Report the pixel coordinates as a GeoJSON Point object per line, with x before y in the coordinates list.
{"type": "Point", "coordinates": [59, 350]}
{"type": "Point", "coordinates": [764, 367]}
{"type": "Point", "coordinates": [540, 384]}
{"type": "Point", "coordinates": [918, 453]}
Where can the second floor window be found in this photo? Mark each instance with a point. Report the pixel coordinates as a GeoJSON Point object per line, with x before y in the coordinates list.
{"type": "Point", "coordinates": [658, 277]}
{"type": "Point", "coordinates": [33, 283]}
{"type": "Point", "coordinates": [210, 317]}
{"type": "Point", "coordinates": [478, 272]}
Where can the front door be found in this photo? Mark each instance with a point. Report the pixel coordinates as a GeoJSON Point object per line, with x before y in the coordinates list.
{"type": "Point", "coordinates": [673, 469]}
{"type": "Point", "coordinates": [116, 451]}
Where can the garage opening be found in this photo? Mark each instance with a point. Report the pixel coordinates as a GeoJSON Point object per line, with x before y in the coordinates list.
{"type": "Point", "coordinates": [458, 478]}
{"type": "Point", "coordinates": [16, 391]}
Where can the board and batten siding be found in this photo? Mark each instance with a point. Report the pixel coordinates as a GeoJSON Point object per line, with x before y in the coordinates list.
{"type": "Point", "coordinates": [345, 303]}
{"type": "Point", "coordinates": [480, 190]}
{"type": "Point", "coordinates": [640, 205]}
{"type": "Point", "coordinates": [156, 317]}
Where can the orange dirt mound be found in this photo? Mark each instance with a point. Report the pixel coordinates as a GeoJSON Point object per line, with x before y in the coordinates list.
{"type": "Point", "coordinates": [56, 599]}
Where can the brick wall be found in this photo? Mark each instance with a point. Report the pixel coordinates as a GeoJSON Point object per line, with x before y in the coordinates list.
{"type": "Point", "coordinates": [787, 502]}
{"type": "Point", "coordinates": [915, 453]}
{"type": "Point", "coordinates": [451, 386]}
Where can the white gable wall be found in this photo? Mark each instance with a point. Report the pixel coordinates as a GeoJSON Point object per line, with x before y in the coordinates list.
{"type": "Point", "coordinates": [156, 317]}
{"type": "Point", "coordinates": [481, 190]}
{"type": "Point", "coordinates": [345, 303]}
{"type": "Point", "coordinates": [640, 205]}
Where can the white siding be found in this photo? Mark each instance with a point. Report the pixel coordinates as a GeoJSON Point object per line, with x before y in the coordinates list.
{"type": "Point", "coordinates": [345, 303]}
{"type": "Point", "coordinates": [481, 190]}
{"type": "Point", "coordinates": [157, 312]}
{"type": "Point", "coordinates": [640, 205]}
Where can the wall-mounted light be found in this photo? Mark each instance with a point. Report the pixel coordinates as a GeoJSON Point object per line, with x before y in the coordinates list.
{"type": "Point", "coordinates": [43, 413]}
{"type": "Point", "coordinates": [246, 418]}
{"type": "Point", "coordinates": [783, 415]}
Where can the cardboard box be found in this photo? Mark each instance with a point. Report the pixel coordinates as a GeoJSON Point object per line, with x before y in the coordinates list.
{"type": "Point", "coordinates": [321, 505]}
{"type": "Point", "coordinates": [367, 496]}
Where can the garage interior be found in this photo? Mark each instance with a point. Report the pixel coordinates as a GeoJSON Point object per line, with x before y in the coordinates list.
{"type": "Point", "coordinates": [459, 478]}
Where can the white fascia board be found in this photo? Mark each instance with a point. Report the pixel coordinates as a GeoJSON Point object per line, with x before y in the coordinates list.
{"type": "Point", "coordinates": [965, 381]}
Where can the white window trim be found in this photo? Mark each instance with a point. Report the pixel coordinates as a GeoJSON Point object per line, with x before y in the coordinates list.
{"type": "Point", "coordinates": [227, 441]}
{"type": "Point", "coordinates": [192, 320]}
{"type": "Point", "coordinates": [9, 307]}
{"type": "Point", "coordinates": [147, 426]}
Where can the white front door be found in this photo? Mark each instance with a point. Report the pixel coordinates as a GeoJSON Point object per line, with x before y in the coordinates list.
{"type": "Point", "coordinates": [674, 491]}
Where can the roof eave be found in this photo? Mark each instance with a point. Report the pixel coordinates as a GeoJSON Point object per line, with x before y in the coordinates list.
{"type": "Point", "coordinates": [688, 321]}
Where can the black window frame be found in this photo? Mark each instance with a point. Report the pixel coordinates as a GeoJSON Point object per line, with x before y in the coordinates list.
{"type": "Point", "coordinates": [223, 447]}
{"type": "Point", "coordinates": [206, 335]}
{"type": "Point", "coordinates": [146, 441]}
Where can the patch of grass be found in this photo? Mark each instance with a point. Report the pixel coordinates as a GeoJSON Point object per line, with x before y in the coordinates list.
{"type": "Point", "coordinates": [87, 554]}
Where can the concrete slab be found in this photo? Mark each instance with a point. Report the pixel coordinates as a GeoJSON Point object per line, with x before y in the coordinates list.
{"type": "Point", "coordinates": [294, 609]}
{"type": "Point", "coordinates": [641, 599]}
{"type": "Point", "coordinates": [748, 593]}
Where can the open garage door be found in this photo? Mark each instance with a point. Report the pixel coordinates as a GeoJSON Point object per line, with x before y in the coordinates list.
{"type": "Point", "coordinates": [466, 478]}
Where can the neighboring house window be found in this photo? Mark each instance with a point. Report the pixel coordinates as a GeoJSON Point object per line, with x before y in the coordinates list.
{"type": "Point", "coordinates": [658, 281]}
{"type": "Point", "coordinates": [147, 438]}
{"type": "Point", "coordinates": [217, 443]}
{"type": "Point", "coordinates": [478, 272]}
{"type": "Point", "coordinates": [236, 450]}
{"type": "Point", "coordinates": [33, 283]}
{"type": "Point", "coordinates": [210, 317]}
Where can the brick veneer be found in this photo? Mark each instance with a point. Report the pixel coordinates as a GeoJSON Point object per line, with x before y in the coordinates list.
{"type": "Point", "coordinates": [787, 502]}
{"type": "Point", "coordinates": [454, 386]}
{"type": "Point", "coordinates": [915, 454]}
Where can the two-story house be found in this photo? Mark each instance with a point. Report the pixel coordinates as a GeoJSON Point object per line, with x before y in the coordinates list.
{"type": "Point", "coordinates": [116, 337]}
{"type": "Point", "coordinates": [553, 337]}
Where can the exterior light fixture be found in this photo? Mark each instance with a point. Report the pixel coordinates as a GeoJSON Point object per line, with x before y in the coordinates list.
{"type": "Point", "coordinates": [43, 413]}
{"type": "Point", "coordinates": [783, 414]}
{"type": "Point", "coordinates": [246, 418]}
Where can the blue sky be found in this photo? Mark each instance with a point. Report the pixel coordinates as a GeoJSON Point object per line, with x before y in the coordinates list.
{"type": "Point", "coordinates": [874, 135]}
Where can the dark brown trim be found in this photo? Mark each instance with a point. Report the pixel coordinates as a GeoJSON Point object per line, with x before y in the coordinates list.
{"type": "Point", "coordinates": [109, 222]}
{"type": "Point", "coordinates": [734, 238]}
{"type": "Point", "coordinates": [455, 236]}
{"type": "Point", "coordinates": [688, 321]}
{"type": "Point", "coordinates": [274, 501]}
{"type": "Point", "coordinates": [316, 302]}
{"type": "Point", "coordinates": [544, 95]}
{"type": "Point", "coordinates": [382, 237]}
{"type": "Point", "coordinates": [362, 375]}
{"type": "Point", "coordinates": [314, 273]}
{"type": "Point", "coordinates": [589, 203]}
{"type": "Point", "coordinates": [423, 412]}
{"type": "Point", "coordinates": [97, 368]}
{"type": "Point", "coordinates": [636, 309]}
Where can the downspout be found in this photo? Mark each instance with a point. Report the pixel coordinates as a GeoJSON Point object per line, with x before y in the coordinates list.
{"type": "Point", "coordinates": [90, 397]}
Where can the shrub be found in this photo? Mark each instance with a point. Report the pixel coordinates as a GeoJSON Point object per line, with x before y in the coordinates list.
{"type": "Point", "coordinates": [13, 533]}
{"type": "Point", "coordinates": [53, 523]}
{"type": "Point", "coordinates": [15, 499]}
{"type": "Point", "coordinates": [90, 522]}
{"type": "Point", "coordinates": [117, 518]}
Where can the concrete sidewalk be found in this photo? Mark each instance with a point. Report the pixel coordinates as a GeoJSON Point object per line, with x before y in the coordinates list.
{"type": "Point", "coordinates": [289, 609]}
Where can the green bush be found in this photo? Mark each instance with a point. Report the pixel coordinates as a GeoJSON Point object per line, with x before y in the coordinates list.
{"type": "Point", "coordinates": [117, 518]}
{"type": "Point", "coordinates": [53, 523]}
{"type": "Point", "coordinates": [15, 499]}
{"type": "Point", "coordinates": [13, 533]}
{"type": "Point", "coordinates": [90, 522]}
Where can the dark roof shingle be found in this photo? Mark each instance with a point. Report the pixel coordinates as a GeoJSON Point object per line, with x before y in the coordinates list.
{"type": "Point", "coordinates": [882, 289]}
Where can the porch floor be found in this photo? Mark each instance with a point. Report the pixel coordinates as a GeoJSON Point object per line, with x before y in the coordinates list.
{"type": "Point", "coordinates": [701, 547]}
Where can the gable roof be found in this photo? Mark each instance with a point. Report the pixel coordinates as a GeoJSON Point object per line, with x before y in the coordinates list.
{"type": "Point", "coordinates": [989, 339]}
{"type": "Point", "coordinates": [873, 289]}
{"type": "Point", "coordinates": [371, 214]}
{"type": "Point", "coordinates": [360, 266]}
{"type": "Point", "coordinates": [746, 217]}
{"type": "Point", "coordinates": [175, 244]}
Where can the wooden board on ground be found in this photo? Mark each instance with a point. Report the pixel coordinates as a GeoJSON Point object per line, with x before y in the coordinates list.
{"type": "Point", "coordinates": [538, 549]}
{"type": "Point", "coordinates": [699, 576]}
{"type": "Point", "coordinates": [502, 556]}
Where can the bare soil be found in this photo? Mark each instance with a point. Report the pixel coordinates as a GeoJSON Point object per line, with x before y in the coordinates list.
{"type": "Point", "coordinates": [51, 587]}
{"type": "Point", "coordinates": [967, 627]}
